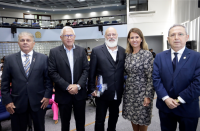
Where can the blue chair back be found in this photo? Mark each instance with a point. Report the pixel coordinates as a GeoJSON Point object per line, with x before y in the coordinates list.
{"type": "Point", "coordinates": [2, 107]}
{"type": "Point", "coordinates": [114, 21]}
{"type": "Point", "coordinates": [106, 22]}
{"type": "Point", "coordinates": [6, 24]}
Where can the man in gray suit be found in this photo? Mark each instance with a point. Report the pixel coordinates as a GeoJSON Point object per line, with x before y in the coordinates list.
{"type": "Point", "coordinates": [27, 70]}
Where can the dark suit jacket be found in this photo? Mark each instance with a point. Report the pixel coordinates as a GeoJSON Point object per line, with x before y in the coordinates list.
{"type": "Point", "coordinates": [60, 73]}
{"type": "Point", "coordinates": [101, 63]}
{"type": "Point", "coordinates": [32, 88]}
{"type": "Point", "coordinates": [184, 82]}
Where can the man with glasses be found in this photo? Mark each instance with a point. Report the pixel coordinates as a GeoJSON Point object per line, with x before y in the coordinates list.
{"type": "Point", "coordinates": [107, 64]}
{"type": "Point", "coordinates": [68, 68]}
{"type": "Point", "coordinates": [27, 70]}
{"type": "Point", "coordinates": [176, 79]}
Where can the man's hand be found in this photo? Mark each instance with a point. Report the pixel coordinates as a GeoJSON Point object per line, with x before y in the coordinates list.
{"type": "Point", "coordinates": [171, 103]}
{"type": "Point", "coordinates": [45, 102]}
{"type": "Point", "coordinates": [9, 108]}
{"type": "Point", "coordinates": [72, 89]}
{"type": "Point", "coordinates": [146, 101]}
{"type": "Point", "coordinates": [94, 93]}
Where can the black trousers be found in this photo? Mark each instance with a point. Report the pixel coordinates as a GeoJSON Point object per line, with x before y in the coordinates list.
{"type": "Point", "coordinates": [79, 114]}
{"type": "Point", "coordinates": [168, 122]}
{"type": "Point", "coordinates": [19, 121]}
{"type": "Point", "coordinates": [101, 110]}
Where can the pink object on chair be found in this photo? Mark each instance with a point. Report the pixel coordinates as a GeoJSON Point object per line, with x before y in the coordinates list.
{"type": "Point", "coordinates": [54, 107]}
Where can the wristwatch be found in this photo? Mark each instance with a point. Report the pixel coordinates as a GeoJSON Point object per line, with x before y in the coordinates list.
{"type": "Point", "coordinates": [78, 86]}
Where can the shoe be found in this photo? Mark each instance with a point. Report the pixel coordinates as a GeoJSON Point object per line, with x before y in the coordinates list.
{"type": "Point", "coordinates": [56, 121]}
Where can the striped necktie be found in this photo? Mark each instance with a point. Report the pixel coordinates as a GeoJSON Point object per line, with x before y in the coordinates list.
{"type": "Point", "coordinates": [27, 64]}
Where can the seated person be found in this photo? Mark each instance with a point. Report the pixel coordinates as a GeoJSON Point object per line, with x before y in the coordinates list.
{"type": "Point", "coordinates": [16, 22]}
{"type": "Point", "coordinates": [90, 21]}
{"type": "Point", "coordinates": [98, 21]}
{"type": "Point", "coordinates": [68, 23]}
{"type": "Point", "coordinates": [51, 25]}
{"type": "Point", "coordinates": [60, 23]}
{"type": "Point", "coordinates": [74, 22]}
{"type": "Point", "coordinates": [36, 24]}
{"type": "Point", "coordinates": [26, 22]}
{"type": "Point", "coordinates": [82, 22]}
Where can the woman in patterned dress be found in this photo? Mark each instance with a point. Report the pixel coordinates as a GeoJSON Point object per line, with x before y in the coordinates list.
{"type": "Point", "coordinates": [139, 91]}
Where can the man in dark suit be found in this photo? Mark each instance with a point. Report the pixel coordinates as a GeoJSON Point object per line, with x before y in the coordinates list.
{"type": "Point", "coordinates": [31, 85]}
{"type": "Point", "coordinates": [176, 78]}
{"type": "Point", "coordinates": [107, 60]}
{"type": "Point", "coordinates": [68, 68]}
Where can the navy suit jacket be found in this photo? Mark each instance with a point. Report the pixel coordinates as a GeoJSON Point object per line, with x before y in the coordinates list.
{"type": "Point", "coordinates": [184, 82]}
{"type": "Point", "coordinates": [25, 89]}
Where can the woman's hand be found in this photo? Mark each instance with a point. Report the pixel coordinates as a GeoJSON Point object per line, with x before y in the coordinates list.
{"type": "Point", "coordinates": [146, 101]}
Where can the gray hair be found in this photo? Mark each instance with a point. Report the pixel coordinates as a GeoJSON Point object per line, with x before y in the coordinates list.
{"type": "Point", "coordinates": [175, 25]}
{"type": "Point", "coordinates": [66, 27]}
{"type": "Point", "coordinates": [26, 34]}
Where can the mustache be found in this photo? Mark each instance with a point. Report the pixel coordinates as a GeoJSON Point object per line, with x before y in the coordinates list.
{"type": "Point", "coordinates": [177, 41]}
{"type": "Point", "coordinates": [111, 39]}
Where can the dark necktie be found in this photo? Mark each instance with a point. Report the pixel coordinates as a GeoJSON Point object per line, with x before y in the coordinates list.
{"type": "Point", "coordinates": [175, 61]}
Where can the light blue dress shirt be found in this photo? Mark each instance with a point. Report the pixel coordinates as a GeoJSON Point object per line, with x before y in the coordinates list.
{"type": "Point", "coordinates": [70, 57]}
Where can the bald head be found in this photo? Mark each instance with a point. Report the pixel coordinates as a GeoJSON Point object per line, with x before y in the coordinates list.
{"type": "Point", "coordinates": [110, 29]}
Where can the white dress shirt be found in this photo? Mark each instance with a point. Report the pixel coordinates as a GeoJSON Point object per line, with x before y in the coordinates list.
{"type": "Point", "coordinates": [180, 52]}
{"type": "Point", "coordinates": [24, 57]}
{"type": "Point", "coordinates": [114, 56]}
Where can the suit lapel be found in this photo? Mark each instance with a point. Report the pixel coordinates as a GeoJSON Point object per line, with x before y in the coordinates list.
{"type": "Point", "coordinates": [34, 60]}
{"type": "Point", "coordinates": [19, 62]}
{"type": "Point", "coordinates": [105, 50]}
{"type": "Point", "coordinates": [64, 55]}
{"type": "Point", "coordinates": [75, 52]}
{"type": "Point", "coordinates": [184, 58]}
{"type": "Point", "coordinates": [169, 61]}
{"type": "Point", "coordinates": [120, 54]}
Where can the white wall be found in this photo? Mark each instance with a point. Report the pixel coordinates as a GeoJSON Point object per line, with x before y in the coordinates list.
{"type": "Point", "coordinates": [157, 23]}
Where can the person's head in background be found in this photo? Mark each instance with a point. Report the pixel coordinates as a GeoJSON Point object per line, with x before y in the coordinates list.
{"type": "Point", "coordinates": [151, 50]}
{"type": "Point", "coordinates": [88, 48]}
{"type": "Point", "coordinates": [60, 21]}
{"type": "Point", "coordinates": [16, 20]}
{"type": "Point", "coordinates": [1, 68]}
{"type": "Point", "coordinates": [2, 60]}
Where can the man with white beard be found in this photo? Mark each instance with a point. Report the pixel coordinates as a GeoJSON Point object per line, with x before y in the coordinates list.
{"type": "Point", "coordinates": [107, 67]}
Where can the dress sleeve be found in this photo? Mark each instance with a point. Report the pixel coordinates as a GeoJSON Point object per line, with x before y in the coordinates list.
{"type": "Point", "coordinates": [148, 69]}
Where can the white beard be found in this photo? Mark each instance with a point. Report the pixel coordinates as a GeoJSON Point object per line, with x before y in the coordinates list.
{"type": "Point", "coordinates": [111, 44]}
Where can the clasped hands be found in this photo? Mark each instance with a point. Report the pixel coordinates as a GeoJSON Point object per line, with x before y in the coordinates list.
{"type": "Point", "coordinates": [72, 89]}
{"type": "Point", "coordinates": [10, 106]}
{"type": "Point", "coordinates": [171, 103]}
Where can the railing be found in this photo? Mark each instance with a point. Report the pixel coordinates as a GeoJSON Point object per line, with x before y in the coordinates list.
{"type": "Point", "coordinates": [59, 23]}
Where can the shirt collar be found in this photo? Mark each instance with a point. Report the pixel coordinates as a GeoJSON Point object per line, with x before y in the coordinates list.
{"type": "Point", "coordinates": [30, 53]}
{"type": "Point", "coordinates": [111, 50]}
{"type": "Point", "coordinates": [72, 47]}
{"type": "Point", "coordinates": [180, 52]}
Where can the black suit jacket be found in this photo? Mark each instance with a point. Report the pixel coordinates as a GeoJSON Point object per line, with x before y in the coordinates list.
{"type": "Point", "coordinates": [25, 89]}
{"type": "Point", "coordinates": [101, 63]}
{"type": "Point", "coordinates": [60, 73]}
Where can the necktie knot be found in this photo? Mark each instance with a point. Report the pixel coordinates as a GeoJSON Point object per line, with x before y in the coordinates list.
{"type": "Point", "coordinates": [175, 54]}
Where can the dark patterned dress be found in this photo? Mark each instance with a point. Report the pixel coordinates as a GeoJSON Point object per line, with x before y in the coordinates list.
{"type": "Point", "coordinates": [139, 84]}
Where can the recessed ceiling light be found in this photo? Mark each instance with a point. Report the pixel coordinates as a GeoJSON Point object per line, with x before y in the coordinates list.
{"type": "Point", "coordinates": [35, 9]}
{"type": "Point", "coordinates": [53, 10]}
{"type": "Point", "coordinates": [45, 12]}
{"type": "Point", "coordinates": [117, 5]}
{"type": "Point", "coordinates": [3, 8]}
{"type": "Point", "coordinates": [28, 11]}
{"type": "Point", "coordinates": [80, 0]}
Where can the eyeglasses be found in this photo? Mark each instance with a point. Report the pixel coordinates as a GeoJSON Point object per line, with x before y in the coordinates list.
{"type": "Point", "coordinates": [23, 40]}
{"type": "Point", "coordinates": [109, 35]}
{"type": "Point", "coordinates": [179, 35]}
{"type": "Point", "coordinates": [67, 36]}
